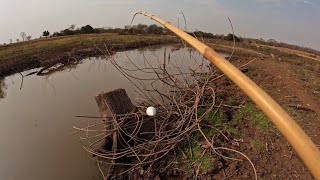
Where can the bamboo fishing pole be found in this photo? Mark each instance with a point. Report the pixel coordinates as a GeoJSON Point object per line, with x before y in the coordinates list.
{"type": "Point", "coordinates": [298, 139]}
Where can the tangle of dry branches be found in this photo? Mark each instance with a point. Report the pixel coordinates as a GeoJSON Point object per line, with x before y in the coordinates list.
{"type": "Point", "coordinates": [179, 91]}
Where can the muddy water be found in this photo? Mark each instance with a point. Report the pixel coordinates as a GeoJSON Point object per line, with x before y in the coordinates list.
{"type": "Point", "coordinates": [36, 122]}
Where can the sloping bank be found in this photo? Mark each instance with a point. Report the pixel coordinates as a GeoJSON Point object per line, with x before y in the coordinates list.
{"type": "Point", "coordinates": [44, 52]}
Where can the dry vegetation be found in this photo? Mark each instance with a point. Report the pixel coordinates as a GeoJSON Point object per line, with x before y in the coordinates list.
{"type": "Point", "coordinates": [219, 122]}
{"type": "Point", "coordinates": [48, 51]}
{"type": "Point", "coordinates": [189, 136]}
{"type": "Point", "coordinates": [206, 127]}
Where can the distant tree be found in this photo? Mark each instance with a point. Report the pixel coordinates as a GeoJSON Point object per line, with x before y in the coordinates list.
{"type": "Point", "coordinates": [72, 27]}
{"type": "Point", "coordinates": [107, 28]}
{"type": "Point", "coordinates": [10, 41]}
{"type": "Point", "coordinates": [219, 36]}
{"type": "Point", "coordinates": [87, 29]}
{"type": "Point", "coordinates": [17, 40]}
{"type": "Point", "coordinates": [229, 37]}
{"type": "Point", "coordinates": [201, 34]}
{"type": "Point", "coordinates": [67, 32]}
{"type": "Point", "coordinates": [154, 29]}
{"type": "Point", "coordinates": [141, 28]}
{"type": "Point", "coordinates": [46, 33]}
{"type": "Point", "coordinates": [23, 35]}
{"type": "Point", "coordinates": [272, 41]}
{"type": "Point", "coordinates": [127, 27]}
{"type": "Point", "coordinates": [117, 30]}
{"type": "Point", "coordinates": [28, 38]}
{"type": "Point", "coordinates": [57, 34]}
{"type": "Point", "coordinates": [98, 30]}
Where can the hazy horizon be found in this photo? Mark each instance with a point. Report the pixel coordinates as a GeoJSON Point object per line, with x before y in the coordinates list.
{"type": "Point", "coordinates": [290, 21]}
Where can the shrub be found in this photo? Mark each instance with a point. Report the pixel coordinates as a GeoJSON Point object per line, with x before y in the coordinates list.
{"type": "Point", "coordinates": [229, 37]}
{"type": "Point", "coordinates": [87, 29]}
{"type": "Point", "coordinates": [46, 33]}
{"type": "Point", "coordinates": [202, 34]}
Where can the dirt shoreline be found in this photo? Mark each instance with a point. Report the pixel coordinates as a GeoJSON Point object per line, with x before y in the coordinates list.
{"type": "Point", "coordinates": [293, 81]}
{"type": "Point", "coordinates": [28, 55]}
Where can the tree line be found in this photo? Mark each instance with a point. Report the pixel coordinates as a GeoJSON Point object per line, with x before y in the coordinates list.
{"type": "Point", "coordinates": [158, 30]}
{"type": "Point", "coordinates": [24, 37]}
{"type": "Point", "coordinates": [88, 29]}
{"type": "Point", "coordinates": [135, 29]}
{"type": "Point", "coordinates": [128, 29]}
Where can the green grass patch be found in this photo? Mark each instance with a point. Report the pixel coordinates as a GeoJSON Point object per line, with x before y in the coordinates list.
{"type": "Point", "coordinates": [231, 102]}
{"type": "Point", "coordinates": [257, 144]}
{"type": "Point", "coordinates": [251, 73]}
{"type": "Point", "coordinates": [221, 119]}
{"type": "Point", "coordinates": [215, 117]}
{"type": "Point", "coordinates": [254, 115]}
{"type": "Point", "coordinates": [195, 157]}
{"type": "Point", "coordinates": [229, 120]}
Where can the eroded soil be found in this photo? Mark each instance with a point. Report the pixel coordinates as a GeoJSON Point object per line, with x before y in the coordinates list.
{"type": "Point", "coordinates": [293, 83]}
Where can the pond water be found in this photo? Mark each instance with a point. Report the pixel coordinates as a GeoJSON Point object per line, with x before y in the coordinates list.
{"type": "Point", "coordinates": [36, 121]}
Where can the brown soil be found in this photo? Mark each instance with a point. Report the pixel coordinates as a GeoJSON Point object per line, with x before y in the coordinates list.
{"type": "Point", "coordinates": [293, 83]}
{"type": "Point", "coordinates": [274, 158]}
{"type": "Point", "coordinates": [297, 52]}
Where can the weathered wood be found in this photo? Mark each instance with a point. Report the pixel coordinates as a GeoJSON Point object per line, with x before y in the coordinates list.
{"type": "Point", "coordinates": [114, 102]}
{"type": "Point", "coordinates": [110, 104]}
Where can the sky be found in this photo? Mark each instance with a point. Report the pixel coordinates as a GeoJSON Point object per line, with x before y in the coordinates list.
{"type": "Point", "coordinates": [291, 21]}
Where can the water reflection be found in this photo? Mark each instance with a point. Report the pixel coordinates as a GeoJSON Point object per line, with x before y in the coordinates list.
{"type": "Point", "coordinates": [36, 121]}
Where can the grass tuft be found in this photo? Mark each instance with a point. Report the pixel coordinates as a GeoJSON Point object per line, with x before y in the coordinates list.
{"type": "Point", "coordinates": [196, 157]}
{"type": "Point", "coordinates": [254, 115]}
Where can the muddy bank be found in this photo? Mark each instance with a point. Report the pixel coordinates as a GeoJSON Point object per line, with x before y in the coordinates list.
{"type": "Point", "coordinates": [46, 53]}
{"type": "Point", "coordinates": [292, 81]}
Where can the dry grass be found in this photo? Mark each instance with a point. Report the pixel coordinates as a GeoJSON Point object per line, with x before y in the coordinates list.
{"type": "Point", "coordinates": [55, 43]}
{"type": "Point", "coordinates": [44, 52]}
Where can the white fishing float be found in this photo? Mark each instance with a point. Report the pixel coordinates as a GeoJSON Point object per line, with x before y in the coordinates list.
{"type": "Point", "coordinates": [151, 111]}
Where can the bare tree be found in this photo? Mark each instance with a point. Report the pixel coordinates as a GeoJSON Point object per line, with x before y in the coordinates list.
{"type": "Point", "coordinates": [28, 38]}
{"type": "Point", "coordinates": [10, 41]}
{"type": "Point", "coordinates": [23, 35]}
